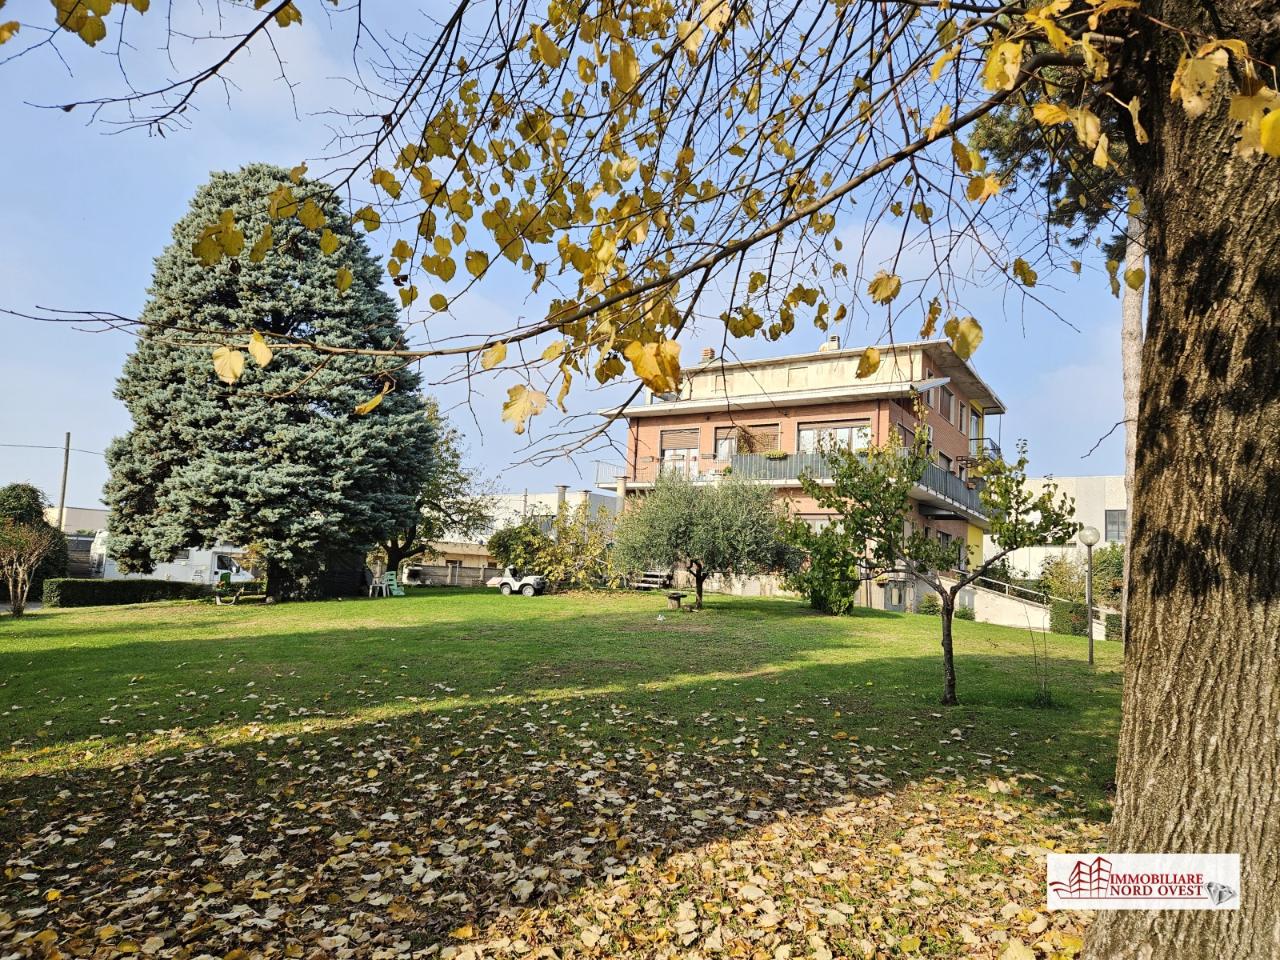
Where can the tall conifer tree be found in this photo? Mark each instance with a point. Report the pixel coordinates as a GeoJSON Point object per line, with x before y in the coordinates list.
{"type": "Point", "coordinates": [279, 458]}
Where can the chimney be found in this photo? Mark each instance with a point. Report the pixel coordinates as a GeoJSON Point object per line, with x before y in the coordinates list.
{"type": "Point", "coordinates": [708, 354]}
{"type": "Point", "coordinates": [561, 490]}
{"type": "Point", "coordinates": [832, 344]}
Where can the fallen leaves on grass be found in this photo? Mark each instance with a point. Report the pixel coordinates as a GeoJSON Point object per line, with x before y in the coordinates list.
{"type": "Point", "coordinates": [579, 828]}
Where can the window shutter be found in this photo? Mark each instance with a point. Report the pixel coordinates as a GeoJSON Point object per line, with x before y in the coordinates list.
{"type": "Point", "coordinates": [679, 439]}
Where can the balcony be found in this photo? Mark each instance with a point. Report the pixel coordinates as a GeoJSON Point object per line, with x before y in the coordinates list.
{"type": "Point", "coordinates": [942, 494]}
{"type": "Point", "coordinates": [984, 448]}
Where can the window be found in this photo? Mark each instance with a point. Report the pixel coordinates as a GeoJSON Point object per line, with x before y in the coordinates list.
{"type": "Point", "coordinates": [679, 451]}
{"type": "Point", "coordinates": [975, 423]}
{"type": "Point", "coordinates": [854, 434]}
{"type": "Point", "coordinates": [944, 462]}
{"type": "Point", "coordinates": [947, 406]}
{"type": "Point", "coordinates": [960, 420]}
{"type": "Point", "coordinates": [1115, 524]}
{"type": "Point", "coordinates": [224, 564]}
{"type": "Point", "coordinates": [182, 555]}
{"type": "Point", "coordinates": [756, 438]}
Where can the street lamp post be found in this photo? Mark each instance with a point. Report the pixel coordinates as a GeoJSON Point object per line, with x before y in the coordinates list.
{"type": "Point", "coordinates": [1089, 536]}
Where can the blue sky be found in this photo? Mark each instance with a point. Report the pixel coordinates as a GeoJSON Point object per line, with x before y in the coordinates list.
{"type": "Point", "coordinates": [86, 211]}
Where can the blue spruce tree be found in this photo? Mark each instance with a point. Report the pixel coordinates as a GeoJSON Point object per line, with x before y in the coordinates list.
{"type": "Point", "coordinates": [279, 459]}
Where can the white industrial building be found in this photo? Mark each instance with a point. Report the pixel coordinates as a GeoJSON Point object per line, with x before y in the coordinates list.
{"type": "Point", "coordinates": [1100, 503]}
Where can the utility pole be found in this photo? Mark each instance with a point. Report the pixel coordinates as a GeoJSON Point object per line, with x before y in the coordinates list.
{"type": "Point", "coordinates": [62, 497]}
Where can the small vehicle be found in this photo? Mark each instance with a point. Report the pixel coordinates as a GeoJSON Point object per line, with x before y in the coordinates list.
{"type": "Point", "coordinates": [511, 582]}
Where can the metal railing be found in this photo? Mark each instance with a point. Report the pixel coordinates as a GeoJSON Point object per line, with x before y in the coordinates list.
{"type": "Point", "coordinates": [984, 447]}
{"type": "Point", "coordinates": [787, 468]}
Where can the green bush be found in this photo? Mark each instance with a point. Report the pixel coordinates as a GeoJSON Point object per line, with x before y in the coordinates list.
{"type": "Point", "coordinates": [965, 613]}
{"type": "Point", "coordinates": [931, 606]}
{"type": "Point", "coordinates": [1113, 626]}
{"type": "Point", "coordinates": [1068, 617]}
{"type": "Point", "coordinates": [70, 592]}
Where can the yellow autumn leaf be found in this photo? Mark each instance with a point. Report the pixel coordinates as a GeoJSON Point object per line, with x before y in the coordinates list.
{"type": "Point", "coordinates": [328, 242]}
{"type": "Point", "coordinates": [884, 287]}
{"type": "Point", "coordinates": [288, 14]}
{"type": "Point", "coordinates": [1022, 270]}
{"type": "Point", "coordinates": [868, 363]}
{"type": "Point", "coordinates": [388, 182]}
{"type": "Point", "coordinates": [981, 188]}
{"type": "Point", "coordinates": [554, 350]}
{"type": "Point", "coordinates": [546, 48]}
{"type": "Point", "coordinates": [477, 262]}
{"type": "Point", "coordinates": [940, 121]}
{"type": "Point", "coordinates": [586, 70]}
{"type": "Point", "coordinates": [371, 404]}
{"type": "Point", "coordinates": [931, 319]}
{"type": "Point", "coordinates": [9, 30]}
{"type": "Point", "coordinates": [493, 356]}
{"type": "Point", "coordinates": [408, 295]}
{"type": "Point", "coordinates": [963, 158]}
{"type": "Point", "coordinates": [941, 63]}
{"type": "Point", "coordinates": [1101, 158]}
{"type": "Point", "coordinates": [438, 301]}
{"type": "Point", "coordinates": [281, 203]}
{"type": "Point", "coordinates": [1269, 134]}
{"type": "Point", "coordinates": [690, 35]}
{"type": "Point", "coordinates": [368, 218]}
{"type": "Point", "coordinates": [344, 279]}
{"type": "Point", "coordinates": [909, 944]}
{"type": "Point", "coordinates": [522, 403]}
{"type": "Point", "coordinates": [228, 364]}
{"type": "Point", "coordinates": [656, 363]}
{"type": "Point", "coordinates": [311, 216]}
{"type": "Point", "coordinates": [401, 250]}
{"type": "Point", "coordinates": [298, 172]}
{"type": "Point", "coordinates": [1135, 278]}
{"type": "Point", "coordinates": [1139, 131]}
{"type": "Point", "coordinates": [1195, 79]}
{"type": "Point", "coordinates": [92, 30]}
{"type": "Point", "coordinates": [259, 350]}
{"type": "Point", "coordinates": [52, 895]}
{"type": "Point", "coordinates": [965, 336]}
{"type": "Point", "coordinates": [1049, 114]}
{"type": "Point", "coordinates": [262, 246]}
{"type": "Point", "coordinates": [623, 66]}
{"type": "Point", "coordinates": [465, 932]}
{"type": "Point", "coordinates": [1004, 60]}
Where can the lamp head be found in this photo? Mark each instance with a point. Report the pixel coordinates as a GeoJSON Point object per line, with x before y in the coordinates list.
{"type": "Point", "coordinates": [1089, 536]}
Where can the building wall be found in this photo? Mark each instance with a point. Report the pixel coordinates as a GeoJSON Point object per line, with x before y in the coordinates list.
{"type": "Point", "coordinates": [91, 519]}
{"type": "Point", "coordinates": [1093, 496]}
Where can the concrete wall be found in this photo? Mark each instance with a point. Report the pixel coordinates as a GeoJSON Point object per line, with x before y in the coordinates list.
{"type": "Point", "coordinates": [1093, 497]}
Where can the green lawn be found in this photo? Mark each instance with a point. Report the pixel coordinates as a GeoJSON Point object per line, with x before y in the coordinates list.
{"type": "Point", "coordinates": [463, 774]}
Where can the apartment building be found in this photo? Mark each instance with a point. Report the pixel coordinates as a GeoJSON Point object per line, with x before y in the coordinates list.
{"type": "Point", "coordinates": [767, 420]}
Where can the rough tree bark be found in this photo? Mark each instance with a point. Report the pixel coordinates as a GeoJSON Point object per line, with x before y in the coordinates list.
{"type": "Point", "coordinates": [699, 578]}
{"type": "Point", "coordinates": [1199, 743]}
{"type": "Point", "coordinates": [1132, 331]}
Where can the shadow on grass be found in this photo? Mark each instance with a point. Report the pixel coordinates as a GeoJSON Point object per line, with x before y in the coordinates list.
{"type": "Point", "coordinates": [451, 807]}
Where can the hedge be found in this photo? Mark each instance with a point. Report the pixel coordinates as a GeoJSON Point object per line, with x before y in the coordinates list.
{"type": "Point", "coordinates": [1113, 626]}
{"type": "Point", "coordinates": [71, 592]}
{"type": "Point", "coordinates": [1069, 617]}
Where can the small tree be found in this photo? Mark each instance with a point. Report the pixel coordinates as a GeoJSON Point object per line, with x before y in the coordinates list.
{"type": "Point", "coordinates": [451, 503]}
{"type": "Point", "coordinates": [870, 494]}
{"type": "Point", "coordinates": [734, 528]}
{"type": "Point", "coordinates": [22, 547]}
{"type": "Point", "coordinates": [577, 554]}
{"type": "Point", "coordinates": [26, 504]}
{"type": "Point", "coordinates": [520, 545]}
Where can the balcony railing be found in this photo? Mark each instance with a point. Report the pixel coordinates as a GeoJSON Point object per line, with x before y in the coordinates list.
{"type": "Point", "coordinates": [984, 447]}
{"type": "Point", "coordinates": [784, 469]}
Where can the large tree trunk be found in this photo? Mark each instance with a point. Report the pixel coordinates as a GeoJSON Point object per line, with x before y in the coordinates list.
{"type": "Point", "coordinates": [948, 654]}
{"type": "Point", "coordinates": [1132, 331]}
{"type": "Point", "coordinates": [1199, 744]}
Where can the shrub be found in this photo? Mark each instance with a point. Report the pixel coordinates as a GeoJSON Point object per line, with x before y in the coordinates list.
{"type": "Point", "coordinates": [965, 613]}
{"type": "Point", "coordinates": [70, 592]}
{"type": "Point", "coordinates": [1113, 626]}
{"type": "Point", "coordinates": [1068, 617]}
{"type": "Point", "coordinates": [931, 606]}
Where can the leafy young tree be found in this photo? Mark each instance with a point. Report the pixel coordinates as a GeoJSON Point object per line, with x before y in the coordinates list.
{"type": "Point", "coordinates": [870, 493]}
{"type": "Point", "coordinates": [578, 553]}
{"type": "Point", "coordinates": [451, 504]}
{"type": "Point", "coordinates": [22, 547]}
{"type": "Point", "coordinates": [632, 158]}
{"type": "Point", "coordinates": [302, 455]}
{"type": "Point", "coordinates": [25, 504]}
{"type": "Point", "coordinates": [520, 545]}
{"type": "Point", "coordinates": [733, 528]}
